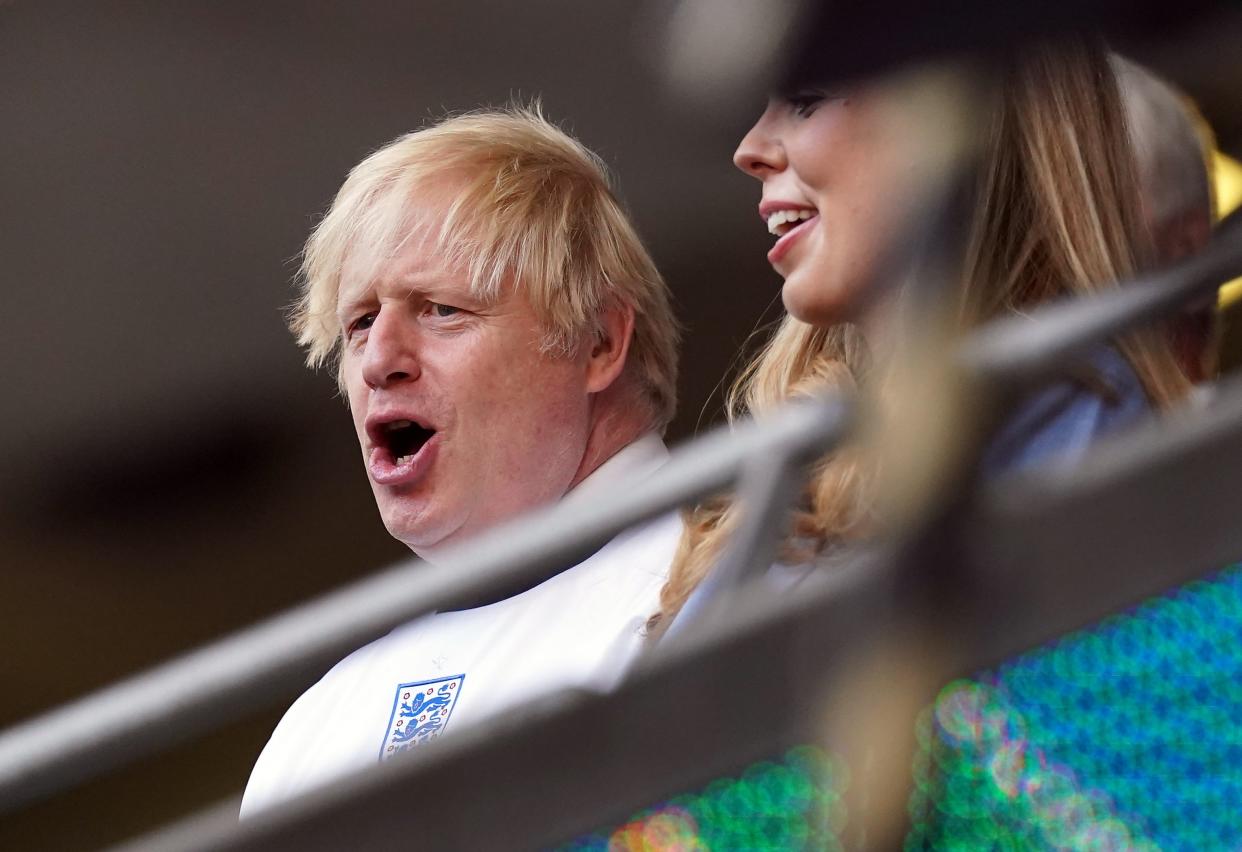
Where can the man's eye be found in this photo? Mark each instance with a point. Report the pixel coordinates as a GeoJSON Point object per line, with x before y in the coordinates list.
{"type": "Point", "coordinates": [362, 323]}
{"type": "Point", "coordinates": [443, 310]}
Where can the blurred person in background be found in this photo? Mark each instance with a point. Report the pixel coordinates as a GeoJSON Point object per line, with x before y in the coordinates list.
{"type": "Point", "coordinates": [1056, 213]}
{"type": "Point", "coordinates": [1172, 145]}
{"type": "Point", "coordinates": [504, 341]}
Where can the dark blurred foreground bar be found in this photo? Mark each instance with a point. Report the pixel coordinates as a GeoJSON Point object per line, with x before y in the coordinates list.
{"type": "Point", "coordinates": [249, 670]}
{"type": "Point", "coordinates": [1146, 513]}
{"type": "Point", "coordinates": [1052, 552]}
{"type": "Point", "coordinates": [1016, 352]}
{"type": "Point", "coordinates": [1021, 561]}
{"type": "Point", "coordinates": [221, 682]}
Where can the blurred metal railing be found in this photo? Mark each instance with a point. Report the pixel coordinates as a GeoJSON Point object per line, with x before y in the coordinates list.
{"type": "Point", "coordinates": [772, 672]}
{"type": "Point", "coordinates": [216, 684]}
{"type": "Point", "coordinates": [1033, 552]}
{"type": "Point", "coordinates": [1018, 351]}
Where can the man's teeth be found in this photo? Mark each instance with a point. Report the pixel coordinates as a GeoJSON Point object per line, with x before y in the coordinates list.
{"type": "Point", "coordinates": [783, 217]}
{"type": "Point", "coordinates": [404, 459]}
{"type": "Point", "coordinates": [398, 424]}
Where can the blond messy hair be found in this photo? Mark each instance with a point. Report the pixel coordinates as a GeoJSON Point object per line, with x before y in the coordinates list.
{"type": "Point", "coordinates": [531, 208]}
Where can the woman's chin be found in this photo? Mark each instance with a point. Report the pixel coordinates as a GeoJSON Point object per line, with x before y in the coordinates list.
{"type": "Point", "coordinates": [814, 302]}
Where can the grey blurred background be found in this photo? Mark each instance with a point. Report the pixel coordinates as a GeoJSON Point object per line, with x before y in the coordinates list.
{"type": "Point", "coordinates": [168, 469]}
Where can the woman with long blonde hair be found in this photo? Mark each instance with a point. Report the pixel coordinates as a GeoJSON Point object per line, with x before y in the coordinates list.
{"type": "Point", "coordinates": [1056, 213]}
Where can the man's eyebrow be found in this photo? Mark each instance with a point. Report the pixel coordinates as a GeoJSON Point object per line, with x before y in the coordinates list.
{"type": "Point", "coordinates": [347, 305]}
{"type": "Point", "coordinates": [435, 288]}
{"type": "Point", "coordinates": [429, 288]}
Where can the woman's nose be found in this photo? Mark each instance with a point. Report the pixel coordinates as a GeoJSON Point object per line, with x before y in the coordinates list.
{"type": "Point", "coordinates": [761, 152]}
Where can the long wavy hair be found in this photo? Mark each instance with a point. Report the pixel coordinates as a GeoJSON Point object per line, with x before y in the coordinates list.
{"type": "Point", "coordinates": [1057, 213]}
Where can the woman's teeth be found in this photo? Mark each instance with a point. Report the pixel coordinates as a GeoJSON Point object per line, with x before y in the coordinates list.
{"type": "Point", "coordinates": [778, 221]}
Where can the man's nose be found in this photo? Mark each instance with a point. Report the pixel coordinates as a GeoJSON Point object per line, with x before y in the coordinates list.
{"type": "Point", "coordinates": [391, 352]}
{"type": "Point", "coordinates": [761, 152]}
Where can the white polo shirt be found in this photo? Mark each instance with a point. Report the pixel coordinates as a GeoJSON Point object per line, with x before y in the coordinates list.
{"type": "Point", "coordinates": [443, 672]}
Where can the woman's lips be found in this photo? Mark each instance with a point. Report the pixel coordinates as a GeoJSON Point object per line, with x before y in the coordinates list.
{"type": "Point", "coordinates": [786, 242]}
{"type": "Point", "coordinates": [385, 470]}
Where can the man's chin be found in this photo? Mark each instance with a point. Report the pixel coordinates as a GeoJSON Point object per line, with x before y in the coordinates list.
{"type": "Point", "coordinates": [424, 539]}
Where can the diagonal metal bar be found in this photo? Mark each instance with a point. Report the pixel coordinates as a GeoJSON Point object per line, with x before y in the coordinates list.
{"type": "Point", "coordinates": [1021, 350]}
{"type": "Point", "coordinates": [220, 682]}
{"type": "Point", "coordinates": [1147, 511]}
{"type": "Point", "coordinates": [768, 489]}
{"type": "Point", "coordinates": [572, 762]}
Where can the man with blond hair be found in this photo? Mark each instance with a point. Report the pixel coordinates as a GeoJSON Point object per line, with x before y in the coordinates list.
{"type": "Point", "coordinates": [504, 341]}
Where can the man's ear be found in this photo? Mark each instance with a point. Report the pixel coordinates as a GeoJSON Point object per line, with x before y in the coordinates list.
{"type": "Point", "coordinates": [610, 348]}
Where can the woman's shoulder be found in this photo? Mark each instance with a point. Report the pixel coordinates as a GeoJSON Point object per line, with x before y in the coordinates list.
{"type": "Point", "coordinates": [1059, 421]}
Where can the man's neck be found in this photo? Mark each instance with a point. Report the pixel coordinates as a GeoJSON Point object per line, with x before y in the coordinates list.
{"type": "Point", "coordinates": [603, 444]}
{"type": "Point", "coordinates": [614, 427]}
{"type": "Point", "coordinates": [613, 430]}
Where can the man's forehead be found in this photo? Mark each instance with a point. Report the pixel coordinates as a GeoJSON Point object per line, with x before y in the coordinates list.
{"type": "Point", "coordinates": [413, 263]}
{"type": "Point", "coordinates": [417, 267]}
{"type": "Point", "coordinates": [400, 244]}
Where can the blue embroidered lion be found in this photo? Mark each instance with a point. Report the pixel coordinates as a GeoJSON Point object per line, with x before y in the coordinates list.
{"type": "Point", "coordinates": [415, 734]}
{"type": "Point", "coordinates": [421, 703]}
{"type": "Point", "coordinates": [431, 708]}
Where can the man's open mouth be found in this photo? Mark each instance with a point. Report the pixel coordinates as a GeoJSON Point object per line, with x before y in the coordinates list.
{"type": "Point", "coordinates": [404, 438]}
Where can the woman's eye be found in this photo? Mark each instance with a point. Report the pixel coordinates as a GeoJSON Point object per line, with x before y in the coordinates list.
{"type": "Point", "coordinates": [804, 103]}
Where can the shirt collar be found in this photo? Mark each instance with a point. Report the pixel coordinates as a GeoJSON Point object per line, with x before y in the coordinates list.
{"type": "Point", "coordinates": [638, 459]}
{"type": "Point", "coordinates": [635, 460]}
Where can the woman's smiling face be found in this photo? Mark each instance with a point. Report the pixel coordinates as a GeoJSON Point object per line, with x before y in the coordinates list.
{"type": "Point", "coordinates": [832, 195]}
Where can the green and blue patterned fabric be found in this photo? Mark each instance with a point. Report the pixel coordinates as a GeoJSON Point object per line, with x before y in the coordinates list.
{"type": "Point", "coordinates": [1127, 735]}
{"type": "Point", "coordinates": [1123, 736]}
